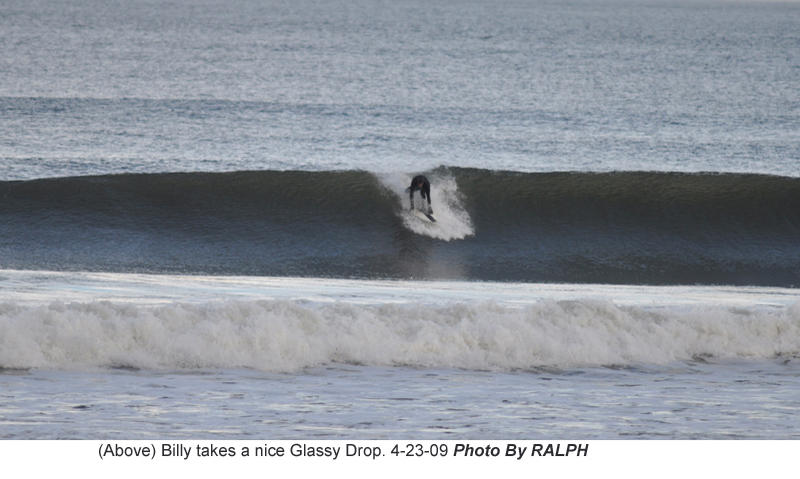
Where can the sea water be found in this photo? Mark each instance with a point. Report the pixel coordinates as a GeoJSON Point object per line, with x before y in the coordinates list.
{"type": "Point", "coordinates": [97, 355]}
{"type": "Point", "coordinates": [204, 231]}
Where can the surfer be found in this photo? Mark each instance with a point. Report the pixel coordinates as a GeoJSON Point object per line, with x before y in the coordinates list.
{"type": "Point", "coordinates": [424, 186]}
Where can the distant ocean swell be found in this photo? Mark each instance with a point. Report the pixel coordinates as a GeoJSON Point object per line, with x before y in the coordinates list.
{"type": "Point", "coordinates": [624, 228]}
{"type": "Point", "coordinates": [288, 336]}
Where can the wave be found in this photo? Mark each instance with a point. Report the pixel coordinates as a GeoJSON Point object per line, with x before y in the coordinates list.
{"type": "Point", "coordinates": [288, 336]}
{"type": "Point", "coordinates": [618, 228]}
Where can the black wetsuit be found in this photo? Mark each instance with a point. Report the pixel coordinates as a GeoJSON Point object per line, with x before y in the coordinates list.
{"type": "Point", "coordinates": [424, 191]}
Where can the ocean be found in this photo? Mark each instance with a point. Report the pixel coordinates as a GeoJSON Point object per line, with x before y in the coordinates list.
{"type": "Point", "coordinates": [205, 231]}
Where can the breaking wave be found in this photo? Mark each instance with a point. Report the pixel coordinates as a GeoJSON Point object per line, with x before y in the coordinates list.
{"type": "Point", "coordinates": [622, 228]}
{"type": "Point", "coordinates": [282, 335]}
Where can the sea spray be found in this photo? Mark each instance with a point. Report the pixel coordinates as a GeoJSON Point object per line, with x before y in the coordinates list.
{"type": "Point", "coordinates": [452, 220]}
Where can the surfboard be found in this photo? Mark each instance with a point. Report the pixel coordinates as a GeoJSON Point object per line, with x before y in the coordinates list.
{"type": "Point", "coordinates": [428, 218]}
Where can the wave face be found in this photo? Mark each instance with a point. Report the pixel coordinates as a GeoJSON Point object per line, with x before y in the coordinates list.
{"type": "Point", "coordinates": [621, 228]}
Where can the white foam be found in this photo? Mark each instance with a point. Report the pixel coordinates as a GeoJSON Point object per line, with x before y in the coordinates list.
{"type": "Point", "coordinates": [83, 321]}
{"type": "Point", "coordinates": [284, 335]}
{"type": "Point", "coordinates": [452, 220]}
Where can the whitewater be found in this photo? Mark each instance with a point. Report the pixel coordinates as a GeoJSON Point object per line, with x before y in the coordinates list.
{"type": "Point", "coordinates": [287, 325]}
{"type": "Point", "coordinates": [166, 355]}
{"type": "Point", "coordinates": [204, 230]}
